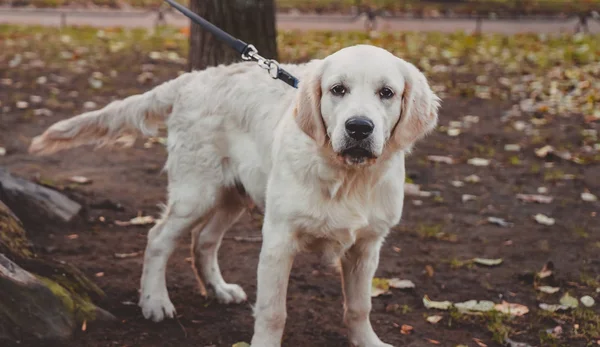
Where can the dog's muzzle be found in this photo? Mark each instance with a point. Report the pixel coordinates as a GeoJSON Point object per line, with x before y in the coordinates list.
{"type": "Point", "coordinates": [357, 149]}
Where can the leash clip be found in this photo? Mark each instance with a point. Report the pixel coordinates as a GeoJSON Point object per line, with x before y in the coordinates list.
{"type": "Point", "coordinates": [251, 53]}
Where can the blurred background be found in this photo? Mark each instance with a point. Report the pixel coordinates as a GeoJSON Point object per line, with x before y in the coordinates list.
{"type": "Point", "coordinates": [500, 240]}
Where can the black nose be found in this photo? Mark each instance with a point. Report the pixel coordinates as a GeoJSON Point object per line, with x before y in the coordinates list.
{"type": "Point", "coordinates": [359, 128]}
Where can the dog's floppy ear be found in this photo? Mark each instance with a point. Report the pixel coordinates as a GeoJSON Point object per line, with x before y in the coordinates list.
{"type": "Point", "coordinates": [308, 105]}
{"type": "Point", "coordinates": [419, 110]}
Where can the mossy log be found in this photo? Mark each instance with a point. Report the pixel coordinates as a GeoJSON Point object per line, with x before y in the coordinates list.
{"type": "Point", "coordinates": [40, 298]}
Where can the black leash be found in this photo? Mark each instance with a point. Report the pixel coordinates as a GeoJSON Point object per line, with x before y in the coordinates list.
{"type": "Point", "coordinates": [248, 52]}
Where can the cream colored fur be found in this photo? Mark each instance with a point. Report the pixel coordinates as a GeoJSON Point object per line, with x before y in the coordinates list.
{"type": "Point", "coordinates": [233, 126]}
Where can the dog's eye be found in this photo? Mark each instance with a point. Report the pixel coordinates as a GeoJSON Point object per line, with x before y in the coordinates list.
{"type": "Point", "coordinates": [386, 93]}
{"type": "Point", "coordinates": [338, 90]}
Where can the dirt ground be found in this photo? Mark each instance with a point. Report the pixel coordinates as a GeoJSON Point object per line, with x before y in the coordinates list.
{"type": "Point", "coordinates": [430, 246]}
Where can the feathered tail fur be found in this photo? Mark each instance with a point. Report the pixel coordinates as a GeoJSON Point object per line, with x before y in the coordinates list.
{"type": "Point", "coordinates": [142, 113]}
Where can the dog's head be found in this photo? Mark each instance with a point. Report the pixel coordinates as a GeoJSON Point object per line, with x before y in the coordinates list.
{"type": "Point", "coordinates": [362, 101]}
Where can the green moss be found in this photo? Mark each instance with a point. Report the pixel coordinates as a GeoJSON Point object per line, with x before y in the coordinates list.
{"type": "Point", "coordinates": [81, 308]}
{"type": "Point", "coordinates": [12, 235]}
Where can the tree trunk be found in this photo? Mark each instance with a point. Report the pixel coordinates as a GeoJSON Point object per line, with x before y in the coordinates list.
{"type": "Point", "coordinates": [252, 21]}
{"type": "Point", "coordinates": [40, 298]}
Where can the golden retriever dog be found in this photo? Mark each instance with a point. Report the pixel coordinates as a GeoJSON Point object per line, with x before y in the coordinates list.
{"type": "Point", "coordinates": [325, 162]}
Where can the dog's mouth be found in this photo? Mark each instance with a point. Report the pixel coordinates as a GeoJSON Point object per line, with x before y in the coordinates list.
{"type": "Point", "coordinates": [357, 156]}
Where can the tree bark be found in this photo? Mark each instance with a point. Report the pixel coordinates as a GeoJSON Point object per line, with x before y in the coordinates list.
{"type": "Point", "coordinates": [40, 298]}
{"type": "Point", "coordinates": [252, 21]}
{"type": "Point", "coordinates": [26, 197]}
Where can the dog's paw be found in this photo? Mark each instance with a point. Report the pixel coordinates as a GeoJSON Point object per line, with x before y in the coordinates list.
{"type": "Point", "coordinates": [157, 307]}
{"type": "Point", "coordinates": [230, 294]}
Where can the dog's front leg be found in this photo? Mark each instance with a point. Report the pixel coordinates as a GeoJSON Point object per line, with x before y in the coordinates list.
{"type": "Point", "coordinates": [275, 263]}
{"type": "Point", "coordinates": [358, 268]}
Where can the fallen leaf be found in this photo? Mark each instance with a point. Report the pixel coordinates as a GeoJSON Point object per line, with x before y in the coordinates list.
{"type": "Point", "coordinates": [546, 271]}
{"type": "Point", "coordinates": [543, 219]}
{"type": "Point", "coordinates": [22, 105]}
{"type": "Point", "coordinates": [556, 331]}
{"type": "Point", "coordinates": [453, 132]}
{"type": "Point", "coordinates": [99, 274]}
{"type": "Point", "coordinates": [457, 184]}
{"type": "Point", "coordinates": [542, 190]}
{"type": "Point", "coordinates": [479, 342]}
{"type": "Point", "coordinates": [468, 197]}
{"type": "Point", "coordinates": [512, 148]}
{"type": "Point", "coordinates": [542, 199]}
{"type": "Point", "coordinates": [139, 220]}
{"type": "Point", "coordinates": [569, 301]}
{"type": "Point", "coordinates": [126, 255]}
{"type": "Point", "coordinates": [84, 326]}
{"type": "Point", "coordinates": [89, 105]}
{"type": "Point", "coordinates": [553, 308]}
{"type": "Point", "coordinates": [406, 329]}
{"type": "Point", "coordinates": [429, 270]}
{"type": "Point", "coordinates": [487, 262]}
{"type": "Point", "coordinates": [43, 112]}
{"type": "Point", "coordinates": [472, 179]}
{"type": "Point", "coordinates": [587, 301]}
{"type": "Point", "coordinates": [544, 151]}
{"type": "Point", "coordinates": [434, 319]}
{"type": "Point", "coordinates": [80, 179]}
{"type": "Point", "coordinates": [512, 309]}
{"type": "Point", "coordinates": [435, 342]}
{"type": "Point", "coordinates": [440, 305]}
{"type": "Point", "coordinates": [440, 159]}
{"type": "Point", "coordinates": [241, 344]}
{"type": "Point", "coordinates": [478, 162]}
{"type": "Point", "coordinates": [589, 197]}
{"type": "Point", "coordinates": [411, 189]}
{"type": "Point", "coordinates": [72, 236]}
{"type": "Point", "coordinates": [95, 83]}
{"type": "Point", "coordinates": [35, 99]}
{"type": "Point", "coordinates": [548, 289]}
{"type": "Point", "coordinates": [474, 305]}
{"type": "Point", "coordinates": [379, 286]}
{"type": "Point", "coordinates": [2, 151]}
{"type": "Point", "coordinates": [400, 284]}
{"type": "Point", "coordinates": [499, 221]}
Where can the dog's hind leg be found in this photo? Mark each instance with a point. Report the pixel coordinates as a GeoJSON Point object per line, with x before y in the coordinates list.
{"type": "Point", "coordinates": [193, 193]}
{"type": "Point", "coordinates": [206, 240]}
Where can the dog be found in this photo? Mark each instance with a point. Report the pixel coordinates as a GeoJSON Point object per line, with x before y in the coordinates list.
{"type": "Point", "coordinates": [325, 162]}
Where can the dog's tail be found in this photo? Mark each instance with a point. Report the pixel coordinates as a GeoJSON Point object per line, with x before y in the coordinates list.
{"type": "Point", "coordinates": [126, 118]}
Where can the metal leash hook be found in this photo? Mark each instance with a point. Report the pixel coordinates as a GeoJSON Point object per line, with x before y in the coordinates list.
{"type": "Point", "coordinates": [270, 65]}
{"type": "Point", "coordinates": [247, 51]}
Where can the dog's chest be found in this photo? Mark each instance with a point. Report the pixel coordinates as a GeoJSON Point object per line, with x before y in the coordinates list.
{"type": "Point", "coordinates": [341, 221]}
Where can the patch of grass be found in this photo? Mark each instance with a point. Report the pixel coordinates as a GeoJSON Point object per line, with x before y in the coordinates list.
{"type": "Point", "coordinates": [581, 232]}
{"type": "Point", "coordinates": [405, 309]}
{"type": "Point", "coordinates": [484, 151]}
{"type": "Point", "coordinates": [514, 160]}
{"type": "Point", "coordinates": [496, 323]}
{"type": "Point", "coordinates": [578, 324]}
{"type": "Point", "coordinates": [535, 168]}
{"type": "Point", "coordinates": [547, 339]}
{"type": "Point", "coordinates": [589, 281]}
{"type": "Point", "coordinates": [554, 175]}
{"type": "Point", "coordinates": [435, 232]}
